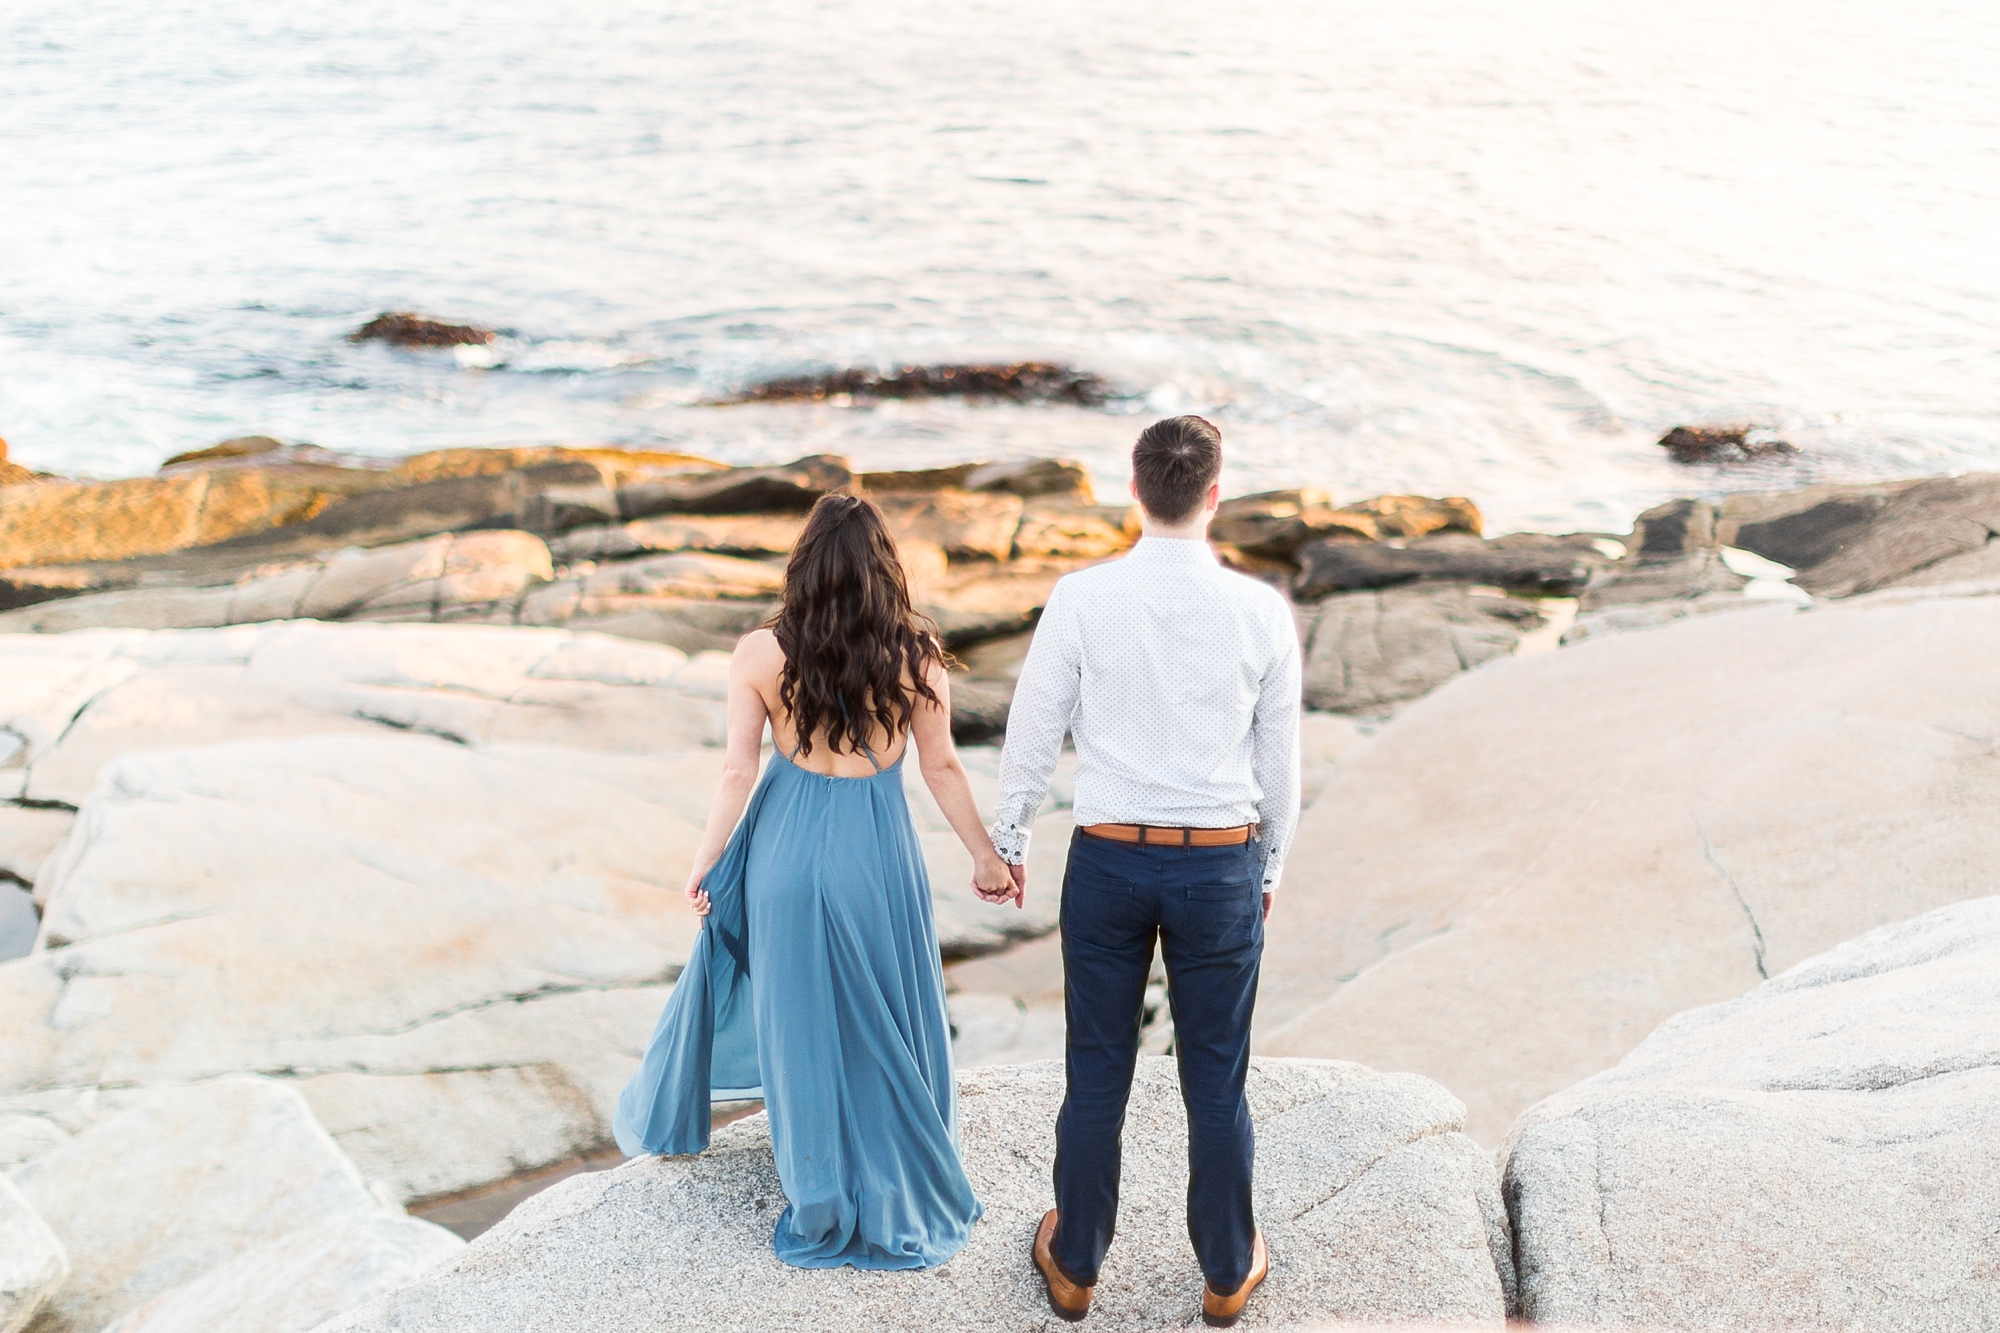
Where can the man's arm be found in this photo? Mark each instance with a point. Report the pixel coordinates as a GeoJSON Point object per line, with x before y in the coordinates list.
{"type": "Point", "coordinates": [1274, 732]}
{"type": "Point", "coordinates": [1044, 702]}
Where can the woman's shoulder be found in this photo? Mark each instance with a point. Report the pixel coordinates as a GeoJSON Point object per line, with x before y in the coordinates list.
{"type": "Point", "coordinates": [758, 642]}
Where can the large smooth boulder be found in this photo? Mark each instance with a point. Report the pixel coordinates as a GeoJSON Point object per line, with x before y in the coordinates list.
{"type": "Point", "coordinates": [183, 1181]}
{"type": "Point", "coordinates": [1367, 651]}
{"type": "Point", "coordinates": [301, 1280]}
{"type": "Point", "coordinates": [433, 873]}
{"type": "Point", "coordinates": [1822, 1153]}
{"type": "Point", "coordinates": [459, 953]}
{"type": "Point", "coordinates": [27, 835]}
{"type": "Point", "coordinates": [475, 576]}
{"type": "Point", "coordinates": [1512, 882]}
{"type": "Point", "coordinates": [80, 700]}
{"type": "Point", "coordinates": [1373, 1202]}
{"type": "Point", "coordinates": [33, 1263]}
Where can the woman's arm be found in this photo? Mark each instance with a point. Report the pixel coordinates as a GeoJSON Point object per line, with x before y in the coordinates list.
{"type": "Point", "coordinates": [930, 730]}
{"type": "Point", "coordinates": [749, 665]}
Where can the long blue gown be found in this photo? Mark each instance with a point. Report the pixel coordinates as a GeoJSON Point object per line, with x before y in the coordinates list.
{"type": "Point", "coordinates": [816, 984]}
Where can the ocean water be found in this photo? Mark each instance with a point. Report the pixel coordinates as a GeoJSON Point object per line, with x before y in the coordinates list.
{"type": "Point", "coordinates": [1446, 246]}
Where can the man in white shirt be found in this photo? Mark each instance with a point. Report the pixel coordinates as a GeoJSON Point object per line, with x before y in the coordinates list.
{"type": "Point", "coordinates": [1179, 682]}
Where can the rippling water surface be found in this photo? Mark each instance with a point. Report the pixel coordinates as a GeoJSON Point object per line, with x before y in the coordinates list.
{"type": "Point", "coordinates": [1441, 245]}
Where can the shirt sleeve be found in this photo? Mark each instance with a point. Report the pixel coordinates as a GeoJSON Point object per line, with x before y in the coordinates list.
{"type": "Point", "coordinates": [1045, 700]}
{"type": "Point", "coordinates": [1274, 732]}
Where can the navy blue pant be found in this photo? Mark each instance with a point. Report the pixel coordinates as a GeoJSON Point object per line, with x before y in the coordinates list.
{"type": "Point", "coordinates": [1205, 906]}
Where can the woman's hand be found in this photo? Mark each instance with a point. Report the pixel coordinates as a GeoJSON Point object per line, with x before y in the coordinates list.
{"type": "Point", "coordinates": [696, 898]}
{"type": "Point", "coordinates": [996, 882]}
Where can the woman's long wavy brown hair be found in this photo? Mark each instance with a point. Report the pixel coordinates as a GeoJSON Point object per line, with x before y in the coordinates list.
{"type": "Point", "coordinates": [856, 653]}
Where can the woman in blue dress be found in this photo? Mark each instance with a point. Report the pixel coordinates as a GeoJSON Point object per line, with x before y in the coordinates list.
{"type": "Point", "coordinates": [816, 982]}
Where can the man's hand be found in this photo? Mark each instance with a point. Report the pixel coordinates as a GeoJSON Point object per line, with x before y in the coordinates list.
{"type": "Point", "coordinates": [1020, 874]}
{"type": "Point", "coordinates": [1267, 907]}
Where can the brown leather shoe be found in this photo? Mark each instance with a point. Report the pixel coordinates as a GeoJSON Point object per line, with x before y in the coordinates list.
{"type": "Point", "coordinates": [1222, 1311]}
{"type": "Point", "coordinates": [1066, 1298]}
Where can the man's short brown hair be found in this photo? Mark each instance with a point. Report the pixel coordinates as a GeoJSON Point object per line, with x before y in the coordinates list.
{"type": "Point", "coordinates": [1173, 465]}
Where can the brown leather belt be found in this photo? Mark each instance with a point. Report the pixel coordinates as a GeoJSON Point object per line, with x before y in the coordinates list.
{"type": "Point", "coordinates": [1150, 835]}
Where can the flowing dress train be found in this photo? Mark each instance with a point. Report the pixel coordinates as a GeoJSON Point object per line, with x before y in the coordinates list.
{"type": "Point", "coordinates": [816, 984]}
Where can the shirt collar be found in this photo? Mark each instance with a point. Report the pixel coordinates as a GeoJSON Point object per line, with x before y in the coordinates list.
{"type": "Point", "coordinates": [1174, 551]}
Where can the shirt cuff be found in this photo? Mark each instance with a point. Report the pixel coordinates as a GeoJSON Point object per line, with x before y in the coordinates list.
{"type": "Point", "coordinates": [1273, 870]}
{"type": "Point", "coordinates": [1011, 842]}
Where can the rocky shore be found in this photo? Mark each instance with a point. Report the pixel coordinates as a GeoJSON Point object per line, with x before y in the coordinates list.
{"type": "Point", "coordinates": [348, 801]}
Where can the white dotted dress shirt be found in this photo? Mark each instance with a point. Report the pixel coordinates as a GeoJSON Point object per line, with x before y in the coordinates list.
{"type": "Point", "coordinates": [1179, 681]}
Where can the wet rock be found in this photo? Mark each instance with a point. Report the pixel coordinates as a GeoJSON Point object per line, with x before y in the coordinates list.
{"type": "Point", "coordinates": [1671, 556]}
{"type": "Point", "coordinates": [1027, 477]}
{"type": "Point", "coordinates": [1021, 382]}
{"type": "Point", "coordinates": [1722, 444]}
{"type": "Point", "coordinates": [33, 1264]}
{"type": "Point", "coordinates": [1058, 529]}
{"type": "Point", "coordinates": [225, 520]}
{"type": "Point", "coordinates": [979, 709]}
{"type": "Point", "coordinates": [614, 467]}
{"type": "Point", "coordinates": [301, 1280]}
{"type": "Point", "coordinates": [1276, 524]}
{"type": "Point", "coordinates": [1031, 477]}
{"type": "Point", "coordinates": [54, 521]}
{"type": "Point", "coordinates": [1849, 540]}
{"type": "Point", "coordinates": [966, 526]}
{"type": "Point", "coordinates": [402, 328]}
{"type": "Point", "coordinates": [1642, 824]}
{"type": "Point", "coordinates": [1367, 651]}
{"type": "Point", "coordinates": [794, 487]}
{"type": "Point", "coordinates": [1373, 1202]}
{"type": "Point", "coordinates": [423, 509]}
{"type": "Point", "coordinates": [1822, 1153]}
{"type": "Point", "coordinates": [1327, 567]}
{"type": "Point", "coordinates": [243, 446]}
{"type": "Point", "coordinates": [973, 603]}
{"type": "Point", "coordinates": [185, 1180]}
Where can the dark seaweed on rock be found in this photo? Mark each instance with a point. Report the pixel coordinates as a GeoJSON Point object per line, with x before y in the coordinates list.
{"type": "Point", "coordinates": [401, 328]}
{"type": "Point", "coordinates": [1720, 444]}
{"type": "Point", "coordinates": [1023, 382]}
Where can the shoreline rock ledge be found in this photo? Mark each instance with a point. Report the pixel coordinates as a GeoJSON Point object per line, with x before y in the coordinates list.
{"type": "Point", "coordinates": [1374, 1204]}
{"type": "Point", "coordinates": [1822, 1153]}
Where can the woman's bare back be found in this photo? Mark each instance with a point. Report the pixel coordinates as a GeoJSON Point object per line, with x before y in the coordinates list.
{"type": "Point", "coordinates": [768, 662]}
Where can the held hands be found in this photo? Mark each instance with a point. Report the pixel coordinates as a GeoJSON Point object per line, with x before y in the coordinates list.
{"type": "Point", "coordinates": [997, 882]}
